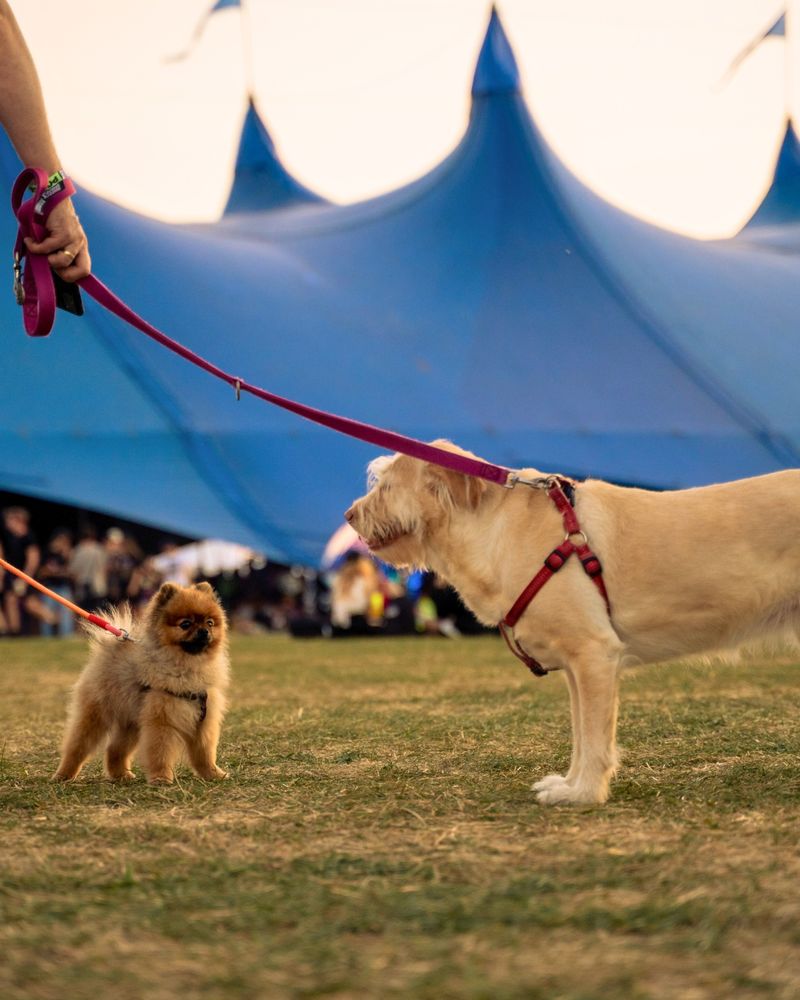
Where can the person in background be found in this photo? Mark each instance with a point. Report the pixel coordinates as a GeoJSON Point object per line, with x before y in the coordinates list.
{"type": "Point", "coordinates": [144, 582]}
{"type": "Point", "coordinates": [120, 565]}
{"type": "Point", "coordinates": [357, 597]}
{"type": "Point", "coordinates": [24, 117]}
{"type": "Point", "coordinates": [54, 573]}
{"type": "Point", "coordinates": [172, 565]}
{"type": "Point", "coordinates": [434, 610]}
{"type": "Point", "coordinates": [21, 550]}
{"type": "Point", "coordinates": [87, 566]}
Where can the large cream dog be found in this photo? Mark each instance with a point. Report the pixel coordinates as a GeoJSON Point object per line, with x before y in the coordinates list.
{"type": "Point", "coordinates": [686, 571]}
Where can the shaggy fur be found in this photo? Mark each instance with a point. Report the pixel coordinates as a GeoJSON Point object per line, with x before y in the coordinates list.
{"type": "Point", "coordinates": [129, 692]}
{"type": "Point", "coordinates": [686, 571]}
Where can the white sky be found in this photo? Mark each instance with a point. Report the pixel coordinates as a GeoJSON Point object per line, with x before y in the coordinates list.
{"type": "Point", "coordinates": [361, 96]}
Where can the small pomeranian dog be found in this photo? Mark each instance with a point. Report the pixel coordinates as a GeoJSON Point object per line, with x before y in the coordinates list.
{"type": "Point", "coordinates": [162, 692]}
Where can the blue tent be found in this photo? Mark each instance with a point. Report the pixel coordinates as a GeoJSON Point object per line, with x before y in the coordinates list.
{"type": "Point", "coordinates": [260, 180]}
{"type": "Point", "coordinates": [495, 301]}
{"type": "Point", "coordinates": [775, 225]}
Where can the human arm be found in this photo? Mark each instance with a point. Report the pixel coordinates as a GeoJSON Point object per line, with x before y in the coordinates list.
{"type": "Point", "coordinates": [23, 115]}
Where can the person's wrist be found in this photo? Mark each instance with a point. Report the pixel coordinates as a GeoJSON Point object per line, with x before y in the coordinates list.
{"type": "Point", "coordinates": [53, 177]}
{"type": "Point", "coordinates": [59, 188]}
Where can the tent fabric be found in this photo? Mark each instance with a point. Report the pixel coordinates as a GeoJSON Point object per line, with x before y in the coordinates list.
{"type": "Point", "coordinates": [260, 181]}
{"type": "Point", "coordinates": [496, 301]}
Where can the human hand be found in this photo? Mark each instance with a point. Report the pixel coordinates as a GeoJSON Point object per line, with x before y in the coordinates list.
{"type": "Point", "coordinates": [65, 244]}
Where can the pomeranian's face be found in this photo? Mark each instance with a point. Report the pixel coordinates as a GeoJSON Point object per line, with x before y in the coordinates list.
{"type": "Point", "coordinates": [189, 619]}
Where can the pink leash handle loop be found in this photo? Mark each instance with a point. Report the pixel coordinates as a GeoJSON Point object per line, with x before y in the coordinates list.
{"type": "Point", "coordinates": [35, 285]}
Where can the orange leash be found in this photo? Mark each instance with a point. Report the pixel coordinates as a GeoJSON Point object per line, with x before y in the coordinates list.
{"type": "Point", "coordinates": [120, 633]}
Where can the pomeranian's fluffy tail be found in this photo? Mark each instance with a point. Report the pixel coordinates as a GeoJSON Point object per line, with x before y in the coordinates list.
{"type": "Point", "coordinates": [120, 615]}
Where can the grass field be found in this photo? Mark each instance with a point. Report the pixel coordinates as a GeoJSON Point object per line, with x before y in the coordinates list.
{"type": "Point", "coordinates": [378, 837]}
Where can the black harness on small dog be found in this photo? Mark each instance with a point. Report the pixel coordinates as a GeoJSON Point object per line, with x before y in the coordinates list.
{"type": "Point", "coordinates": [198, 696]}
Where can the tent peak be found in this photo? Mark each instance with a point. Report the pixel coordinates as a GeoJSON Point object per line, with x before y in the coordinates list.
{"type": "Point", "coordinates": [496, 70]}
{"type": "Point", "coordinates": [260, 179]}
{"type": "Point", "coordinates": [257, 148]}
{"type": "Point", "coordinates": [789, 156]}
{"type": "Point", "coordinates": [781, 203]}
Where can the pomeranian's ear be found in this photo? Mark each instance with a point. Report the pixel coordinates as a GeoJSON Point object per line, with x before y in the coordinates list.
{"type": "Point", "coordinates": [206, 588]}
{"type": "Point", "coordinates": [164, 593]}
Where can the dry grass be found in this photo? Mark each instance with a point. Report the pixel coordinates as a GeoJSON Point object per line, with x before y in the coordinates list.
{"type": "Point", "coordinates": [378, 837]}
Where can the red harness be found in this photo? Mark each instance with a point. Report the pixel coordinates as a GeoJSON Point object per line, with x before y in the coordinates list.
{"type": "Point", "coordinates": [559, 491]}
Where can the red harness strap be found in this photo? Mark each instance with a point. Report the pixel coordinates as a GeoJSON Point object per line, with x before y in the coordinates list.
{"type": "Point", "coordinates": [552, 564]}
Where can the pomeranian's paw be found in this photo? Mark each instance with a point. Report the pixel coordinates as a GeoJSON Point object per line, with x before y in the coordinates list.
{"type": "Point", "coordinates": [214, 774]}
{"type": "Point", "coordinates": [63, 776]}
{"type": "Point", "coordinates": [160, 779]}
{"type": "Point", "coordinates": [122, 776]}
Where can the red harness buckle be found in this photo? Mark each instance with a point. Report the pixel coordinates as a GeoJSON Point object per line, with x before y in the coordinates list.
{"type": "Point", "coordinates": [559, 556]}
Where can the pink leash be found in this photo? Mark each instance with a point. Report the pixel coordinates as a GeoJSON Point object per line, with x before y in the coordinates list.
{"type": "Point", "coordinates": [35, 293]}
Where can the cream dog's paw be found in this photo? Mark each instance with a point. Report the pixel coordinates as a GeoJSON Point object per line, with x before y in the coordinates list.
{"type": "Point", "coordinates": [550, 781]}
{"type": "Point", "coordinates": [570, 795]}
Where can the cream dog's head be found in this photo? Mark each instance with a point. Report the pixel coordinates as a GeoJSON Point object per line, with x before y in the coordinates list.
{"type": "Point", "coordinates": [410, 504]}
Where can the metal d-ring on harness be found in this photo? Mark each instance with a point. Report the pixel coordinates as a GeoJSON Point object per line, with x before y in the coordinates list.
{"type": "Point", "coordinates": [562, 492]}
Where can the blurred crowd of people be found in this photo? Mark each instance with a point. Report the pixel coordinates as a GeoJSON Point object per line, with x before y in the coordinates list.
{"type": "Point", "coordinates": [369, 598]}
{"type": "Point", "coordinates": [88, 570]}
{"type": "Point", "coordinates": [355, 597]}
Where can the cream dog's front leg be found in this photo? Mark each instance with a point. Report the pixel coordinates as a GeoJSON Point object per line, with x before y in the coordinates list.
{"type": "Point", "coordinates": [593, 677]}
{"type": "Point", "coordinates": [552, 780]}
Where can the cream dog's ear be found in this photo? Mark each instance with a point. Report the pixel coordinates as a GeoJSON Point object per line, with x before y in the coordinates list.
{"type": "Point", "coordinates": [454, 489]}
